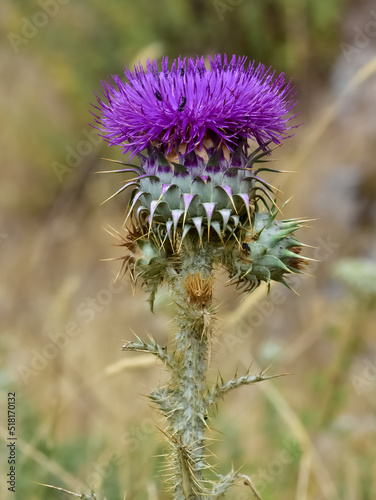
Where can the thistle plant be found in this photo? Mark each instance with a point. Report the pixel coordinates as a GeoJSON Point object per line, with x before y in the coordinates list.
{"type": "Point", "coordinates": [199, 202]}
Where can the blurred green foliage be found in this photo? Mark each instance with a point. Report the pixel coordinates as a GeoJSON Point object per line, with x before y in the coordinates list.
{"type": "Point", "coordinates": [360, 277]}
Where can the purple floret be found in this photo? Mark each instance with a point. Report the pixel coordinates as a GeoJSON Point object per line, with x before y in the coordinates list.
{"type": "Point", "coordinates": [181, 105]}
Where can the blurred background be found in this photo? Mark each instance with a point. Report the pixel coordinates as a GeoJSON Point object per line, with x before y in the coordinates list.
{"type": "Point", "coordinates": [83, 420]}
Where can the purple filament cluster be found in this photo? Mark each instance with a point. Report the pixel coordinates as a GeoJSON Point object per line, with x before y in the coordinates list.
{"type": "Point", "coordinates": [182, 105]}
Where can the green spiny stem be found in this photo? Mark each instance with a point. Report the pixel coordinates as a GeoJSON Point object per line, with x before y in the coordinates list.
{"type": "Point", "coordinates": [188, 382]}
{"type": "Point", "coordinates": [223, 484]}
{"type": "Point", "coordinates": [160, 396]}
{"type": "Point", "coordinates": [82, 496]}
{"type": "Point", "coordinates": [188, 267]}
{"type": "Point", "coordinates": [220, 390]}
{"type": "Point", "coordinates": [153, 348]}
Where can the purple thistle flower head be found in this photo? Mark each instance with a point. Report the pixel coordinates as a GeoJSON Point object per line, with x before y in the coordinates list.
{"type": "Point", "coordinates": [188, 103]}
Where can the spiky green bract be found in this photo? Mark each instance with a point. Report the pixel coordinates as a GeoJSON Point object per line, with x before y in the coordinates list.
{"type": "Point", "coordinates": [265, 250]}
{"type": "Point", "coordinates": [269, 252]}
{"type": "Point", "coordinates": [151, 267]}
{"type": "Point", "coordinates": [211, 190]}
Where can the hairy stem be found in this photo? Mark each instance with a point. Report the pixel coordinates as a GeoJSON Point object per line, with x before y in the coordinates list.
{"type": "Point", "coordinates": [188, 382]}
{"type": "Point", "coordinates": [187, 399]}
